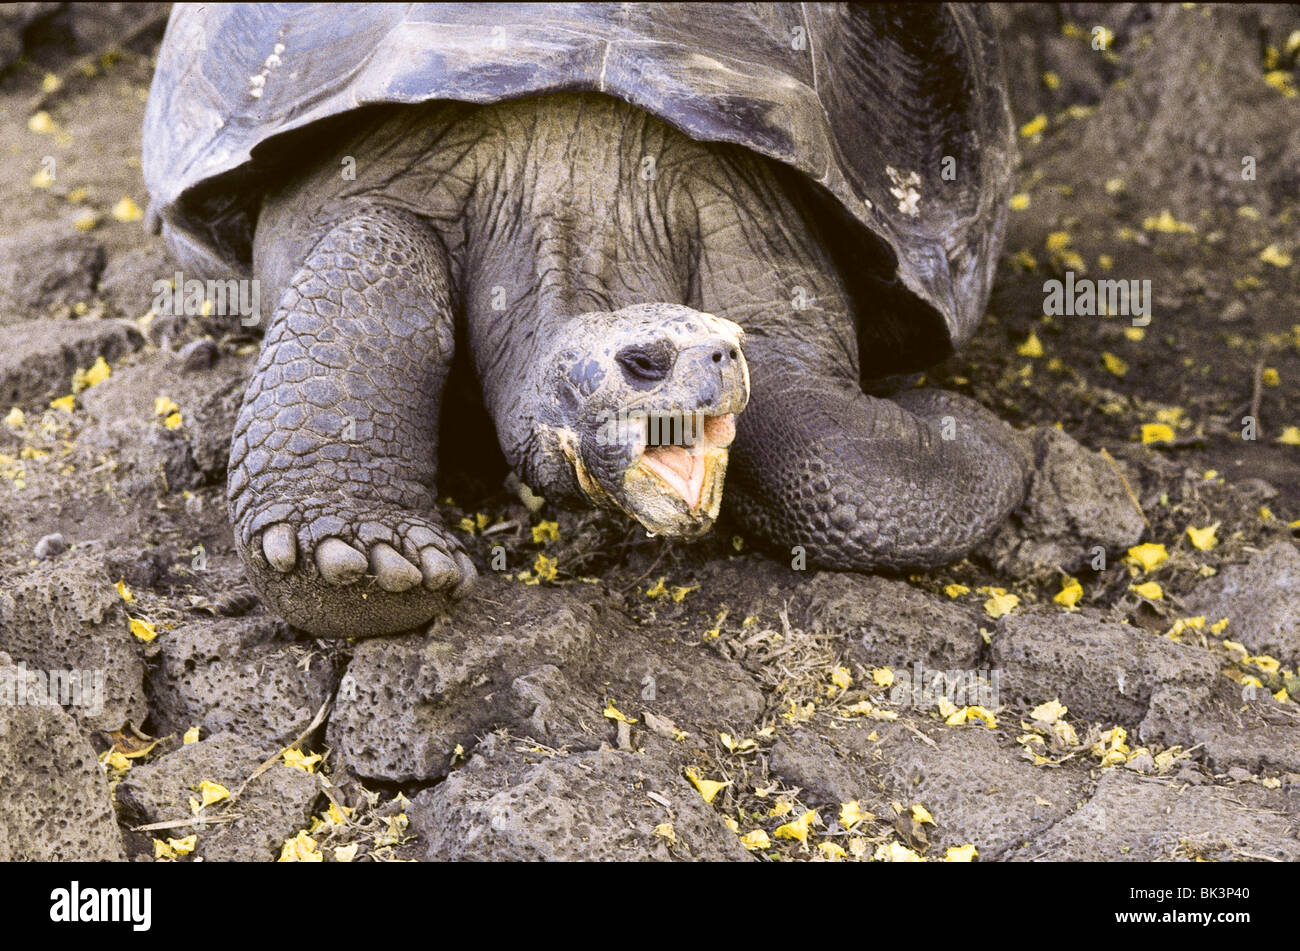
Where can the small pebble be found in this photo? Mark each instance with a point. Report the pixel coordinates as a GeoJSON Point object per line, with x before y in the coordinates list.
{"type": "Point", "coordinates": [1257, 489]}
{"type": "Point", "coordinates": [51, 546]}
{"type": "Point", "coordinates": [198, 355]}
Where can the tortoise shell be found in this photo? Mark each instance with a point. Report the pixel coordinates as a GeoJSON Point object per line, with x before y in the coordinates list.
{"type": "Point", "coordinates": [897, 115]}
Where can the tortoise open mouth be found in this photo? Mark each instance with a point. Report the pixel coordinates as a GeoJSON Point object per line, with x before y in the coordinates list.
{"type": "Point", "coordinates": [687, 455]}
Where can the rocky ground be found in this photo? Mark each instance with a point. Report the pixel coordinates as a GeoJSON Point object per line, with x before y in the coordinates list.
{"type": "Point", "coordinates": [609, 696]}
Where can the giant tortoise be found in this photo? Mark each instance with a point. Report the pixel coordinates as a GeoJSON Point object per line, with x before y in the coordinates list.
{"type": "Point", "coordinates": [676, 242]}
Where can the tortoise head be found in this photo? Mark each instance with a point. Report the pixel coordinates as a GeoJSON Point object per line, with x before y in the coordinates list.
{"type": "Point", "coordinates": [642, 407]}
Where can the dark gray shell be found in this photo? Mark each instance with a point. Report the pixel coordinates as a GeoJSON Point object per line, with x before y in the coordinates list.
{"type": "Point", "coordinates": [866, 101]}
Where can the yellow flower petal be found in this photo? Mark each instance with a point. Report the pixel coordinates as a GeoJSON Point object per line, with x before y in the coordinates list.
{"type": "Point", "coordinates": [612, 712]}
{"type": "Point", "coordinates": [115, 759]}
{"type": "Point", "coordinates": [301, 848]}
{"type": "Point", "coordinates": [737, 746]}
{"type": "Point", "coordinates": [1032, 347]}
{"type": "Point", "coordinates": [191, 736]}
{"type": "Point", "coordinates": [896, 852]}
{"type": "Point", "coordinates": [1167, 224]}
{"type": "Point", "coordinates": [546, 532]}
{"type": "Point", "coordinates": [212, 792]}
{"type": "Point", "coordinates": [1204, 538]}
{"type": "Point", "coordinates": [832, 851]}
{"type": "Point", "coordinates": [183, 846]}
{"type": "Point", "coordinates": [851, 813]}
{"type": "Point", "coordinates": [1280, 79]}
{"type": "Point", "coordinates": [1275, 256]}
{"type": "Point", "coordinates": [1049, 712]}
{"type": "Point", "coordinates": [127, 210]}
{"type": "Point", "coordinates": [1114, 364]}
{"type": "Point", "coordinates": [1001, 603]}
{"type": "Point", "coordinates": [955, 590]}
{"type": "Point", "coordinates": [1149, 590]}
{"type": "Point", "coordinates": [296, 759]}
{"type": "Point", "coordinates": [1148, 556]}
{"type": "Point", "coordinates": [1070, 593]}
{"type": "Point", "coordinates": [1034, 126]}
{"type": "Point", "coordinates": [708, 788]}
{"type": "Point", "coordinates": [960, 853]}
{"type": "Point", "coordinates": [142, 630]}
{"type": "Point", "coordinates": [798, 829]}
{"type": "Point", "coordinates": [1156, 432]}
{"type": "Point", "coordinates": [756, 841]}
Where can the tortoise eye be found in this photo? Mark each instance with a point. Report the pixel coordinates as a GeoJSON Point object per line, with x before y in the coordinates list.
{"type": "Point", "coordinates": [645, 363]}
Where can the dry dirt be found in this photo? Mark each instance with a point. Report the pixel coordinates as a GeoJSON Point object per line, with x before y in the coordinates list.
{"type": "Point", "coordinates": [613, 696]}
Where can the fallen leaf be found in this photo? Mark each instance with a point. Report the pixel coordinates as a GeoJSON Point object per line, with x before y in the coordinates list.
{"type": "Point", "coordinates": [896, 852]}
{"type": "Point", "coordinates": [1070, 593]}
{"type": "Point", "coordinates": [756, 840]}
{"type": "Point", "coordinates": [1001, 603]}
{"type": "Point", "coordinates": [212, 792]}
{"type": "Point", "coordinates": [301, 848]}
{"type": "Point", "coordinates": [798, 829]}
{"type": "Point", "coordinates": [1148, 556]}
{"type": "Point", "coordinates": [1149, 590]}
{"type": "Point", "coordinates": [708, 788]}
{"type": "Point", "coordinates": [296, 759]}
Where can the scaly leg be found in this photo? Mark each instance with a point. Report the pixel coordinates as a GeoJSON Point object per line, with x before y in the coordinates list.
{"type": "Point", "coordinates": [332, 467]}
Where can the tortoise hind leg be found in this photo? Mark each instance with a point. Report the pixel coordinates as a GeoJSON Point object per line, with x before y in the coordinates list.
{"type": "Point", "coordinates": [862, 482]}
{"type": "Point", "coordinates": [332, 465]}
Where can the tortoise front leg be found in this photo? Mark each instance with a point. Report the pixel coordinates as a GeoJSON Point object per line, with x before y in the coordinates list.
{"type": "Point", "coordinates": [332, 466]}
{"type": "Point", "coordinates": [915, 481]}
{"type": "Point", "coordinates": [859, 482]}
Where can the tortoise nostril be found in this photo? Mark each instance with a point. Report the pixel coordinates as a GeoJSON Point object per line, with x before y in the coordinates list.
{"type": "Point", "coordinates": [717, 356]}
{"type": "Point", "coordinates": [734, 354]}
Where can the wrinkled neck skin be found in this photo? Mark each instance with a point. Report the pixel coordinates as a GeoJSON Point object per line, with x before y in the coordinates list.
{"type": "Point", "coordinates": [563, 221]}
